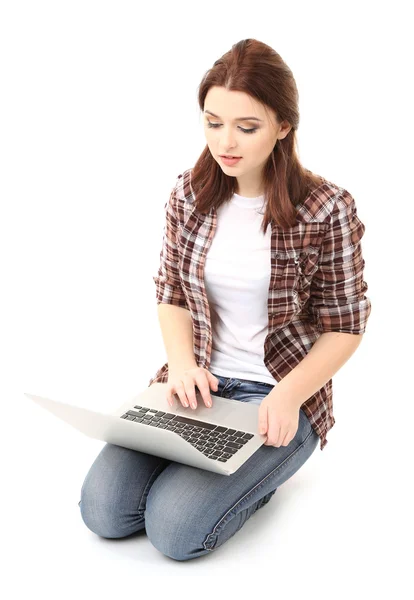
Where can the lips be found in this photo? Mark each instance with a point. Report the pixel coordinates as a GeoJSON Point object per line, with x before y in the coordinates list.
{"type": "Point", "coordinates": [228, 156]}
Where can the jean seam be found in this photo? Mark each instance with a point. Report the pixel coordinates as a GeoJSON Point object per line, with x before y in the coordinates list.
{"type": "Point", "coordinates": [248, 494]}
{"type": "Point", "coordinates": [160, 467]}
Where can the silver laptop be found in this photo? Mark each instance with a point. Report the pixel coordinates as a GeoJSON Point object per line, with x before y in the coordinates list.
{"type": "Point", "coordinates": [218, 439]}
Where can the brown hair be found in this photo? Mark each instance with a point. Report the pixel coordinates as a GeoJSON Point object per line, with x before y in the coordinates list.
{"type": "Point", "coordinates": [256, 69]}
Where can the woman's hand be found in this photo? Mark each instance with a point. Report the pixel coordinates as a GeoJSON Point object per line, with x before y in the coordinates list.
{"type": "Point", "coordinates": [182, 383]}
{"type": "Point", "coordinates": [278, 418]}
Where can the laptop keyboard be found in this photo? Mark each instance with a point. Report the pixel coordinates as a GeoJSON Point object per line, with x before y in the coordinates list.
{"type": "Point", "coordinates": [217, 443]}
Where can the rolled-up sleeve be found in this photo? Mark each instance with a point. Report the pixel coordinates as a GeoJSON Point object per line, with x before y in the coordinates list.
{"type": "Point", "coordinates": [337, 299]}
{"type": "Point", "coordinates": [167, 280]}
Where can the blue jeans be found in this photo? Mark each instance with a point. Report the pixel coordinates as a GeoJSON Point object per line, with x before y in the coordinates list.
{"type": "Point", "coordinates": [187, 512]}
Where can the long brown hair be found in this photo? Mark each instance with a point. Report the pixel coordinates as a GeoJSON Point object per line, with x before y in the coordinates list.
{"type": "Point", "coordinates": [256, 69]}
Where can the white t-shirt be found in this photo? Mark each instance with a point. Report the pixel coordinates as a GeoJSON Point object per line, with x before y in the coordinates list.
{"type": "Point", "coordinates": [237, 277]}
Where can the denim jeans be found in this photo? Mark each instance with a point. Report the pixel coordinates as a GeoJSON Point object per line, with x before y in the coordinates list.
{"type": "Point", "coordinates": [186, 511]}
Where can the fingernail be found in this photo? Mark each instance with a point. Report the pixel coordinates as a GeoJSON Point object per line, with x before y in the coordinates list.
{"type": "Point", "coordinates": [208, 403]}
{"type": "Point", "coordinates": [193, 405]}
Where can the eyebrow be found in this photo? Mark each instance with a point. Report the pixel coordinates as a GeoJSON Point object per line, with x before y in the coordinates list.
{"type": "Point", "coordinates": [239, 119]}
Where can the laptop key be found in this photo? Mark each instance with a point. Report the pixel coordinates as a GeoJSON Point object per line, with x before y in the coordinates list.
{"type": "Point", "coordinates": [201, 424]}
{"type": "Point", "coordinates": [134, 413]}
{"type": "Point", "coordinates": [234, 445]}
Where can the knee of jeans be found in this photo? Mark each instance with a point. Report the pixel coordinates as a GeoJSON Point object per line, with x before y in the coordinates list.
{"type": "Point", "coordinates": [98, 517]}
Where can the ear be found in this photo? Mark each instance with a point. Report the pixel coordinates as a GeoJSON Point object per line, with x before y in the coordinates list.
{"type": "Point", "coordinates": [284, 130]}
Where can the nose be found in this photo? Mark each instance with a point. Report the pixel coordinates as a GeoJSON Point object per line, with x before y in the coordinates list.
{"type": "Point", "coordinates": [227, 142]}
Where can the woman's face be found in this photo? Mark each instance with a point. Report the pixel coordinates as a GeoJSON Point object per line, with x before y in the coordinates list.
{"type": "Point", "coordinates": [253, 139]}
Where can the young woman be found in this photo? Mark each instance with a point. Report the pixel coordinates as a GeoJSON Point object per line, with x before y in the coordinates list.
{"type": "Point", "coordinates": [261, 299]}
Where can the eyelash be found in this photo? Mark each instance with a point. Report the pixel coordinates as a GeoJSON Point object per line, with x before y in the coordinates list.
{"type": "Point", "coordinates": [215, 125]}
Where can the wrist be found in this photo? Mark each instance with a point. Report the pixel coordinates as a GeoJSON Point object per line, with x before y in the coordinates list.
{"type": "Point", "coordinates": [179, 367]}
{"type": "Point", "coordinates": [288, 396]}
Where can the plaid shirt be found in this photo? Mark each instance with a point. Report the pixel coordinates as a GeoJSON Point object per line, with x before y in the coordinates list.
{"type": "Point", "coordinates": [316, 282]}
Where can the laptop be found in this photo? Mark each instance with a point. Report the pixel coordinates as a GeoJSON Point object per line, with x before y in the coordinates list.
{"type": "Point", "coordinates": [218, 439]}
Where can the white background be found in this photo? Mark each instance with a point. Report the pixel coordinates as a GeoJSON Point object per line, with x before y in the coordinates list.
{"type": "Point", "coordinates": [98, 116]}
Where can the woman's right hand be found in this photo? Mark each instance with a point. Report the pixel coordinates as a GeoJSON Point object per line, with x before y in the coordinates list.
{"type": "Point", "coordinates": [182, 382]}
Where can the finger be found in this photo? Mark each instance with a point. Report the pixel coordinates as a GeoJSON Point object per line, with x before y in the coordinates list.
{"type": "Point", "coordinates": [274, 429]}
{"type": "Point", "coordinates": [213, 383]}
{"type": "Point", "coordinates": [179, 390]}
{"type": "Point", "coordinates": [190, 391]}
{"type": "Point", "coordinates": [287, 439]}
{"type": "Point", "coordinates": [263, 419]}
{"type": "Point", "coordinates": [204, 387]}
{"type": "Point", "coordinates": [169, 398]}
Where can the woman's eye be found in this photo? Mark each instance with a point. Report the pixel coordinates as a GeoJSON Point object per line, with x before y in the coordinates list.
{"type": "Point", "coordinates": [215, 125]}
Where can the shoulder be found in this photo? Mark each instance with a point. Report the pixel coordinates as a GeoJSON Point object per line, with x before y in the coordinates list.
{"type": "Point", "coordinates": [183, 190]}
{"type": "Point", "coordinates": [182, 196]}
{"type": "Point", "coordinates": [324, 202]}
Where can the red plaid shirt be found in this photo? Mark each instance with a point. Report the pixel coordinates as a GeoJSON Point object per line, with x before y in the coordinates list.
{"type": "Point", "coordinates": [316, 282]}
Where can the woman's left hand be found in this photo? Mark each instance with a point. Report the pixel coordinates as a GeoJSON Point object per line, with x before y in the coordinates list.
{"type": "Point", "coordinates": [278, 418]}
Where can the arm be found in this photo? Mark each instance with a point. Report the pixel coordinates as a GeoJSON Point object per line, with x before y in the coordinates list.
{"type": "Point", "coordinates": [337, 303]}
{"type": "Point", "coordinates": [167, 280]}
{"type": "Point", "coordinates": [337, 298]}
{"type": "Point", "coordinates": [327, 355]}
{"type": "Point", "coordinates": [173, 314]}
{"type": "Point", "coordinates": [177, 333]}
